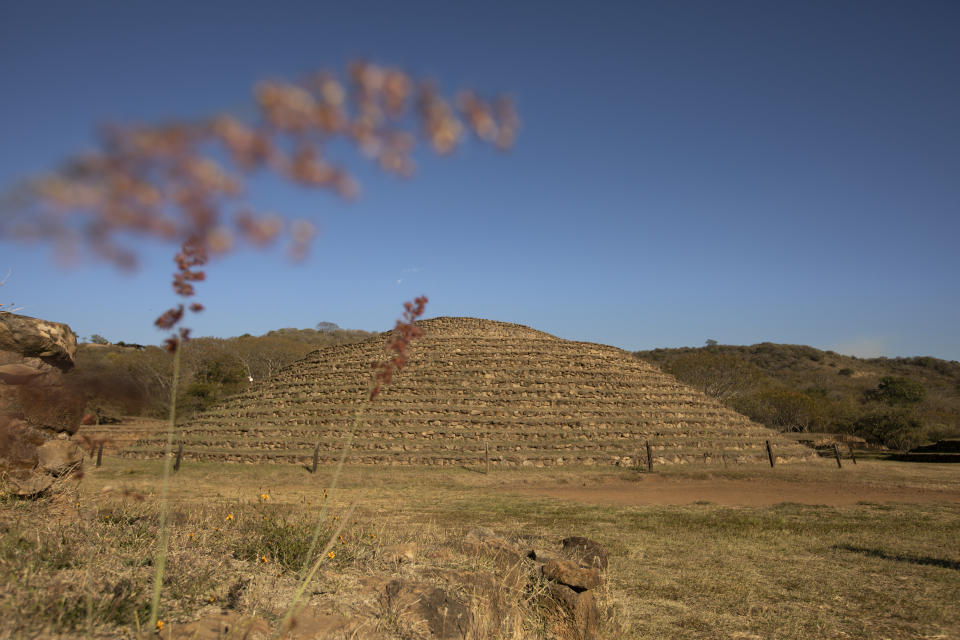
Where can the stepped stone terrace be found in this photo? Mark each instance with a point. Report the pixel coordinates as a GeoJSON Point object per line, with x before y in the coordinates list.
{"type": "Point", "coordinates": [475, 389]}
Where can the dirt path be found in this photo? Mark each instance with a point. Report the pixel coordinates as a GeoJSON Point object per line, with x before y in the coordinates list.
{"type": "Point", "coordinates": [753, 493]}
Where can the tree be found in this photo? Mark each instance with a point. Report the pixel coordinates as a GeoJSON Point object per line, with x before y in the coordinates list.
{"type": "Point", "coordinates": [326, 327]}
{"type": "Point", "coordinates": [723, 376]}
{"type": "Point", "coordinates": [98, 339]}
{"type": "Point", "coordinates": [894, 428]}
{"type": "Point", "coordinates": [781, 409]}
{"type": "Point", "coordinates": [897, 391]}
{"type": "Point", "coordinates": [711, 342]}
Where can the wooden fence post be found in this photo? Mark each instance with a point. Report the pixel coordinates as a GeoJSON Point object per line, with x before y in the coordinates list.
{"type": "Point", "coordinates": [316, 456]}
{"type": "Point", "coordinates": [836, 452]}
{"type": "Point", "coordinates": [852, 455]}
{"type": "Point", "coordinates": [649, 458]}
{"type": "Point", "coordinates": [99, 454]}
{"type": "Point", "coordinates": [770, 454]}
{"type": "Point", "coordinates": [486, 448]}
{"type": "Point", "coordinates": [176, 464]}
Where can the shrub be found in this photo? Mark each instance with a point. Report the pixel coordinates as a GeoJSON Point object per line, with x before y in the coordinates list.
{"type": "Point", "coordinates": [781, 409]}
{"type": "Point", "coordinates": [896, 429]}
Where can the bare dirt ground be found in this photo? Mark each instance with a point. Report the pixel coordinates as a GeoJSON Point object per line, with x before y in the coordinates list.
{"type": "Point", "coordinates": [801, 551]}
{"type": "Point", "coordinates": [870, 481]}
{"type": "Point", "coordinates": [665, 490]}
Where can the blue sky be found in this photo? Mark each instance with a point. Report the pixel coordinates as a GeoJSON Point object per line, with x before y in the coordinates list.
{"type": "Point", "coordinates": [742, 171]}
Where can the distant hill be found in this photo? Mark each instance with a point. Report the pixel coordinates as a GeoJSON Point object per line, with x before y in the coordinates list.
{"type": "Point", "coordinates": [122, 379]}
{"type": "Point", "coordinates": [897, 402]}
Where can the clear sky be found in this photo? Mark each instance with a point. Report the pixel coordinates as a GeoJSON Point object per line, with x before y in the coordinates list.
{"type": "Point", "coordinates": [741, 171]}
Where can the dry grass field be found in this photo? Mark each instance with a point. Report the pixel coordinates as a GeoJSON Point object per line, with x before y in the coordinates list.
{"type": "Point", "coordinates": [867, 551]}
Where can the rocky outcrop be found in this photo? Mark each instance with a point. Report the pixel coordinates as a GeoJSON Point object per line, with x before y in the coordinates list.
{"type": "Point", "coordinates": [36, 403]}
{"type": "Point", "coordinates": [34, 355]}
{"type": "Point", "coordinates": [53, 342]}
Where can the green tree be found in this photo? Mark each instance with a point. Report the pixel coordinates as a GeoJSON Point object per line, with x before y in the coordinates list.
{"type": "Point", "coordinates": [897, 429]}
{"type": "Point", "coordinates": [897, 391]}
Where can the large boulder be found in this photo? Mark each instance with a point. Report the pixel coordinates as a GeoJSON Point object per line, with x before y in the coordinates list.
{"type": "Point", "coordinates": [54, 343]}
{"type": "Point", "coordinates": [36, 403]}
{"type": "Point", "coordinates": [567, 573]}
{"type": "Point", "coordinates": [34, 355]}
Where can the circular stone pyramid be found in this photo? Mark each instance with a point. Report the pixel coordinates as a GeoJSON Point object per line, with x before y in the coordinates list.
{"type": "Point", "coordinates": [472, 386]}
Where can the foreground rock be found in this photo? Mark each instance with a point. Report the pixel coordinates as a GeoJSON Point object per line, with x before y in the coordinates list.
{"type": "Point", "coordinates": [442, 614]}
{"type": "Point", "coordinates": [53, 343]}
{"type": "Point", "coordinates": [586, 552]}
{"type": "Point", "coordinates": [571, 581]}
{"type": "Point", "coordinates": [58, 457]}
{"type": "Point", "coordinates": [572, 573]}
{"type": "Point", "coordinates": [475, 585]}
{"type": "Point", "coordinates": [36, 403]}
{"type": "Point", "coordinates": [569, 574]}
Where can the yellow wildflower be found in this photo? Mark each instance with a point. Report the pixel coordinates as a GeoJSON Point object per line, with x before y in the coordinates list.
{"type": "Point", "coordinates": [264, 496]}
{"type": "Point", "coordinates": [159, 625]}
{"type": "Point", "coordinates": [331, 555]}
{"type": "Point", "coordinates": [264, 559]}
{"type": "Point", "coordinates": [229, 516]}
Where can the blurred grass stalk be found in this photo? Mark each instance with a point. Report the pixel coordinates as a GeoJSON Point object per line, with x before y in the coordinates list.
{"type": "Point", "coordinates": [161, 554]}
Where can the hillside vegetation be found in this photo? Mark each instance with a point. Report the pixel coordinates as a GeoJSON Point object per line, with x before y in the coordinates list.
{"type": "Point", "coordinates": [898, 403]}
{"type": "Point", "coordinates": [134, 380]}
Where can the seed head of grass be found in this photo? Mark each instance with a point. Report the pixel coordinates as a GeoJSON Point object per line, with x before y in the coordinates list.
{"type": "Point", "coordinates": [396, 348]}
